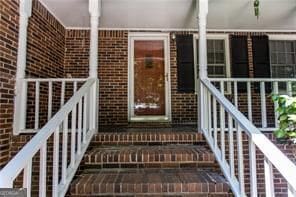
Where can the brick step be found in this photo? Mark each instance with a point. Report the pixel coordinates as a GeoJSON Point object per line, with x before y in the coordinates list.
{"type": "Point", "coordinates": [157, 182]}
{"type": "Point", "coordinates": [148, 137]}
{"type": "Point", "coordinates": [164, 156]}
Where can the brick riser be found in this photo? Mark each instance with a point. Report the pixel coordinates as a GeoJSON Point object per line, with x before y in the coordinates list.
{"type": "Point", "coordinates": [152, 181]}
{"type": "Point", "coordinates": [147, 138]}
{"type": "Point", "coordinates": [150, 156]}
{"type": "Point", "coordinates": [147, 163]}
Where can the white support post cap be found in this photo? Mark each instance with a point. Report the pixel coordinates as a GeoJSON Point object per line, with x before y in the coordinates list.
{"type": "Point", "coordinates": [95, 8]}
{"type": "Point", "coordinates": [26, 8]}
{"type": "Point", "coordinates": [202, 7]}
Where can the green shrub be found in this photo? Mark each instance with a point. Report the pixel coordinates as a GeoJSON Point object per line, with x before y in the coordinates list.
{"type": "Point", "coordinates": [287, 117]}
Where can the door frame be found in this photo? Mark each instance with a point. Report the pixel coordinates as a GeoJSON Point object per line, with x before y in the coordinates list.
{"type": "Point", "coordinates": [148, 36]}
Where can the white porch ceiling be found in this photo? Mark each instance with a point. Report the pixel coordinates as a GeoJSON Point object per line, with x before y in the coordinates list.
{"type": "Point", "coordinates": [178, 14]}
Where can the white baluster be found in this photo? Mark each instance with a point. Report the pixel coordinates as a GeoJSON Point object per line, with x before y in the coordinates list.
{"type": "Point", "coordinates": [27, 179]}
{"type": "Point", "coordinates": [253, 169]}
{"type": "Point", "coordinates": [263, 105]}
{"type": "Point", "coordinates": [63, 93]}
{"type": "Point", "coordinates": [79, 127]}
{"type": "Point", "coordinates": [49, 109]}
{"type": "Point", "coordinates": [222, 125]}
{"type": "Point", "coordinates": [240, 160]}
{"type": "Point", "coordinates": [235, 94]}
{"type": "Point", "coordinates": [84, 119]}
{"type": "Point", "coordinates": [55, 171]}
{"type": "Point", "coordinates": [210, 115]}
{"type": "Point", "coordinates": [231, 148]}
{"type": "Point", "coordinates": [73, 133]}
{"type": "Point", "coordinates": [249, 96]}
{"type": "Point", "coordinates": [268, 174]}
{"type": "Point", "coordinates": [215, 123]}
{"type": "Point", "coordinates": [37, 91]}
{"type": "Point", "coordinates": [291, 191]}
{"type": "Point", "coordinates": [65, 150]}
{"type": "Point", "coordinates": [206, 111]}
{"type": "Point", "coordinates": [42, 171]}
{"type": "Point", "coordinates": [289, 88]}
{"type": "Point", "coordinates": [276, 114]}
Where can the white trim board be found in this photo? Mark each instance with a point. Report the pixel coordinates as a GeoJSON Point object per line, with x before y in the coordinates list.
{"type": "Point", "coordinates": [191, 30]}
{"type": "Point", "coordinates": [148, 36]}
{"type": "Point", "coordinates": [282, 36]}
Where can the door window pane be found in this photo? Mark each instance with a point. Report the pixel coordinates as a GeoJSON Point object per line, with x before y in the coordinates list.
{"type": "Point", "coordinates": [149, 78]}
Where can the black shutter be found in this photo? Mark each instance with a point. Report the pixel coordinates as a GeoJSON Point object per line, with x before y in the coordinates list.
{"type": "Point", "coordinates": [185, 63]}
{"type": "Point", "coordinates": [261, 62]}
{"type": "Point", "coordinates": [239, 60]}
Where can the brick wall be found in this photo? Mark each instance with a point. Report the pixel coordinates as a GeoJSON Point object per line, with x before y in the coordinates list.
{"type": "Point", "coordinates": [56, 52]}
{"type": "Point", "coordinates": [76, 58]}
{"type": "Point", "coordinates": [280, 184]}
{"type": "Point", "coordinates": [112, 70]}
{"type": "Point", "coordinates": [45, 58]}
{"type": "Point", "coordinates": [8, 53]}
{"type": "Point", "coordinates": [46, 44]}
{"type": "Point", "coordinates": [113, 74]}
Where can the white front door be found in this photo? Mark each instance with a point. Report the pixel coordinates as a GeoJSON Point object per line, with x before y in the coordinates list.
{"type": "Point", "coordinates": [149, 79]}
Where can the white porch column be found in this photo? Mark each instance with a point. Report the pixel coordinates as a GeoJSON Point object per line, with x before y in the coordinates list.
{"type": "Point", "coordinates": [95, 11]}
{"type": "Point", "coordinates": [25, 11]}
{"type": "Point", "coordinates": [202, 7]}
{"type": "Point", "coordinates": [202, 32]}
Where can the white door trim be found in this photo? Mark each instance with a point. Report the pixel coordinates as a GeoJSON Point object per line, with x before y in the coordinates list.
{"type": "Point", "coordinates": [148, 36]}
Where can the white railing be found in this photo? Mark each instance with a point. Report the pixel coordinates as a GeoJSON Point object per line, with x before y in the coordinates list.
{"type": "Point", "coordinates": [32, 94]}
{"type": "Point", "coordinates": [76, 120]}
{"type": "Point", "coordinates": [225, 129]}
{"type": "Point", "coordinates": [252, 96]}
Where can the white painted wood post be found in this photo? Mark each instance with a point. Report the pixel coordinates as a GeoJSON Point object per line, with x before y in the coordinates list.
{"type": "Point", "coordinates": [202, 7]}
{"type": "Point", "coordinates": [20, 100]}
{"type": "Point", "coordinates": [94, 10]}
{"type": "Point", "coordinates": [202, 38]}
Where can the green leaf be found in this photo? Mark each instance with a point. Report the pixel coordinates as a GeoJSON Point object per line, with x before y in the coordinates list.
{"type": "Point", "coordinates": [292, 117]}
{"type": "Point", "coordinates": [292, 134]}
{"type": "Point", "coordinates": [280, 133]}
{"type": "Point", "coordinates": [283, 117]}
{"type": "Point", "coordinates": [275, 97]}
{"type": "Point", "coordinates": [287, 116]}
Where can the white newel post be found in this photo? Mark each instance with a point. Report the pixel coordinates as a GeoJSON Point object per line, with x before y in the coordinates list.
{"type": "Point", "coordinates": [202, 7]}
{"type": "Point", "coordinates": [95, 12]}
{"type": "Point", "coordinates": [20, 99]}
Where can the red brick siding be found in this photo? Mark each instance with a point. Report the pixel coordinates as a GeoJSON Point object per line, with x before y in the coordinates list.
{"type": "Point", "coordinates": [112, 70]}
{"type": "Point", "coordinates": [76, 58]}
{"type": "Point", "coordinates": [50, 47]}
{"type": "Point", "coordinates": [113, 74]}
{"type": "Point", "coordinates": [45, 58]}
{"type": "Point", "coordinates": [46, 44]}
{"type": "Point", "coordinates": [280, 183]}
{"type": "Point", "coordinates": [8, 53]}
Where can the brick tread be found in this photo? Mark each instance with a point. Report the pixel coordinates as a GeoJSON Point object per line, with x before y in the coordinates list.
{"type": "Point", "coordinates": [150, 181]}
{"type": "Point", "coordinates": [166, 154]}
{"type": "Point", "coordinates": [147, 137]}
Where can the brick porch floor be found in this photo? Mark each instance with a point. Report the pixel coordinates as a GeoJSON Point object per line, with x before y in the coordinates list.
{"type": "Point", "coordinates": [149, 162]}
